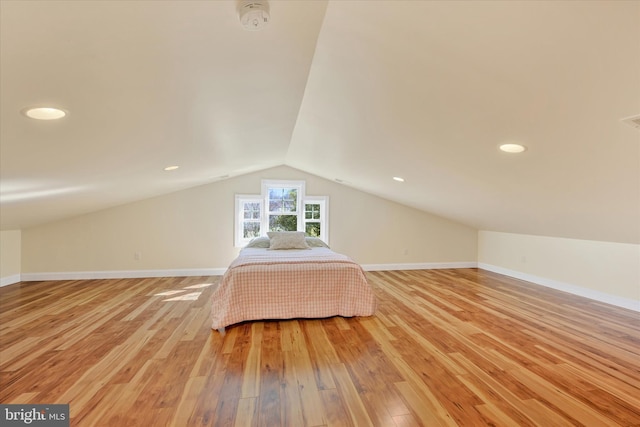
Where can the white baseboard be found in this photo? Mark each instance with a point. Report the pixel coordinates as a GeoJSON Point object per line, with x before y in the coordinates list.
{"type": "Point", "coordinates": [10, 280]}
{"type": "Point", "coordinates": [122, 274]}
{"type": "Point", "coordinates": [566, 287]}
{"type": "Point", "coordinates": [419, 266]}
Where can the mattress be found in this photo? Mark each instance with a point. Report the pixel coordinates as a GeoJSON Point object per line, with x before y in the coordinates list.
{"type": "Point", "coordinates": [286, 284]}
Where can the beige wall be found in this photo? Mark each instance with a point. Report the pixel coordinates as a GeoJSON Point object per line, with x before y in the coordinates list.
{"type": "Point", "coordinates": [10, 258]}
{"type": "Point", "coordinates": [193, 229]}
{"type": "Point", "coordinates": [602, 267]}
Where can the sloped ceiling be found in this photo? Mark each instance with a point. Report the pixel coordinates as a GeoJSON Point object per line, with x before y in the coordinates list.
{"type": "Point", "coordinates": [349, 90]}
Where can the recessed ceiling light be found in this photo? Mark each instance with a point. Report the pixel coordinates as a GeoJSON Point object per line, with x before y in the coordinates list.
{"type": "Point", "coordinates": [171, 168]}
{"type": "Point", "coordinates": [397, 178]}
{"type": "Point", "coordinates": [513, 148]}
{"type": "Point", "coordinates": [44, 113]}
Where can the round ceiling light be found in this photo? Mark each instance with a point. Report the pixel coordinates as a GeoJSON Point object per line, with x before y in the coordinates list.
{"type": "Point", "coordinates": [399, 179]}
{"type": "Point", "coordinates": [513, 148]}
{"type": "Point", "coordinates": [253, 14]}
{"type": "Point", "coordinates": [44, 113]}
{"type": "Point", "coordinates": [171, 168]}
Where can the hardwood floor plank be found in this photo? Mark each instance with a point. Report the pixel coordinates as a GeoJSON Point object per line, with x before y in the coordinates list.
{"type": "Point", "coordinates": [426, 411]}
{"type": "Point", "coordinates": [543, 415]}
{"type": "Point", "coordinates": [251, 374]}
{"type": "Point", "coordinates": [131, 392]}
{"type": "Point", "coordinates": [188, 400]}
{"type": "Point", "coordinates": [24, 398]}
{"type": "Point", "coordinates": [499, 400]}
{"type": "Point", "coordinates": [615, 388]}
{"type": "Point", "coordinates": [15, 351]}
{"type": "Point", "coordinates": [293, 413]}
{"type": "Point", "coordinates": [405, 421]}
{"type": "Point", "coordinates": [424, 404]}
{"type": "Point", "coordinates": [497, 417]}
{"type": "Point", "coordinates": [272, 370]}
{"type": "Point", "coordinates": [322, 354]}
{"type": "Point", "coordinates": [247, 413]}
{"type": "Point", "coordinates": [299, 363]}
{"type": "Point", "coordinates": [569, 404]}
{"type": "Point", "coordinates": [231, 389]}
{"type": "Point", "coordinates": [337, 414]}
{"type": "Point", "coordinates": [98, 375]}
{"type": "Point", "coordinates": [447, 348]}
{"type": "Point", "coordinates": [204, 411]}
{"type": "Point", "coordinates": [355, 407]}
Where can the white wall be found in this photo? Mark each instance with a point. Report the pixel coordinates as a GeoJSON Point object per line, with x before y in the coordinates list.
{"type": "Point", "coordinates": [192, 230]}
{"type": "Point", "coordinates": [605, 271]}
{"type": "Point", "coordinates": [10, 257]}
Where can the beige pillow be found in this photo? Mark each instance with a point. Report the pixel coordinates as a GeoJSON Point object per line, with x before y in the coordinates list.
{"type": "Point", "coordinates": [314, 242]}
{"type": "Point", "coordinates": [259, 242]}
{"type": "Point", "coordinates": [287, 240]}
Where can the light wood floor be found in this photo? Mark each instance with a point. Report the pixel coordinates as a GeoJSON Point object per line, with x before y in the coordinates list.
{"type": "Point", "coordinates": [446, 348]}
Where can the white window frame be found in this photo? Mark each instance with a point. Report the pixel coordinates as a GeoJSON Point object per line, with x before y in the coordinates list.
{"type": "Point", "coordinates": [263, 200]}
{"type": "Point", "coordinates": [241, 199]}
{"type": "Point", "coordinates": [323, 201]}
{"type": "Point", "coordinates": [279, 183]}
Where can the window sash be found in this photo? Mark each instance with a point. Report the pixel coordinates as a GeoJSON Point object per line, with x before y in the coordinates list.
{"type": "Point", "coordinates": [247, 219]}
{"type": "Point", "coordinates": [288, 205]}
{"type": "Point", "coordinates": [318, 217]}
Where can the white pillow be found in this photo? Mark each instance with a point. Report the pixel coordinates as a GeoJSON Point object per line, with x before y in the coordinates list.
{"type": "Point", "coordinates": [287, 240]}
{"type": "Point", "coordinates": [258, 242]}
{"type": "Point", "coordinates": [314, 242]}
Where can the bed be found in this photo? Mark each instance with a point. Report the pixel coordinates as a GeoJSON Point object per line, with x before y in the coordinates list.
{"type": "Point", "coordinates": [269, 280]}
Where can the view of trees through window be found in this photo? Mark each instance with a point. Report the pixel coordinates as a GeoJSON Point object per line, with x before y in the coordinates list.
{"type": "Point", "coordinates": [283, 207]}
{"type": "Point", "coordinates": [312, 219]}
{"type": "Point", "coordinates": [251, 223]}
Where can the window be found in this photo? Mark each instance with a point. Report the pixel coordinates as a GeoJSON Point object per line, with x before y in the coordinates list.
{"type": "Point", "coordinates": [283, 206]}
{"type": "Point", "coordinates": [315, 209]}
{"type": "Point", "coordinates": [248, 218]}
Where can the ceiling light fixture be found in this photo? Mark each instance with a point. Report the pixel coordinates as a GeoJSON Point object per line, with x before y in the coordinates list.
{"type": "Point", "coordinates": [397, 178]}
{"type": "Point", "coordinates": [44, 113]}
{"type": "Point", "coordinates": [513, 148]}
{"type": "Point", "coordinates": [254, 15]}
{"type": "Point", "coordinates": [171, 168]}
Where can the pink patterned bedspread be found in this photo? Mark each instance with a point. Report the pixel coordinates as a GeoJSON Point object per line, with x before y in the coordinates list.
{"type": "Point", "coordinates": [288, 284]}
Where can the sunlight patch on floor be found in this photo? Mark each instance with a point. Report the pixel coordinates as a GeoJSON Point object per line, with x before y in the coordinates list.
{"type": "Point", "coordinates": [186, 297]}
{"type": "Point", "coordinates": [192, 296]}
{"type": "Point", "coordinates": [167, 293]}
{"type": "Point", "coordinates": [200, 286]}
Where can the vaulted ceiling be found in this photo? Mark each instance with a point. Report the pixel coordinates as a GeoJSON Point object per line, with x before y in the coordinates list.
{"type": "Point", "coordinates": [355, 91]}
